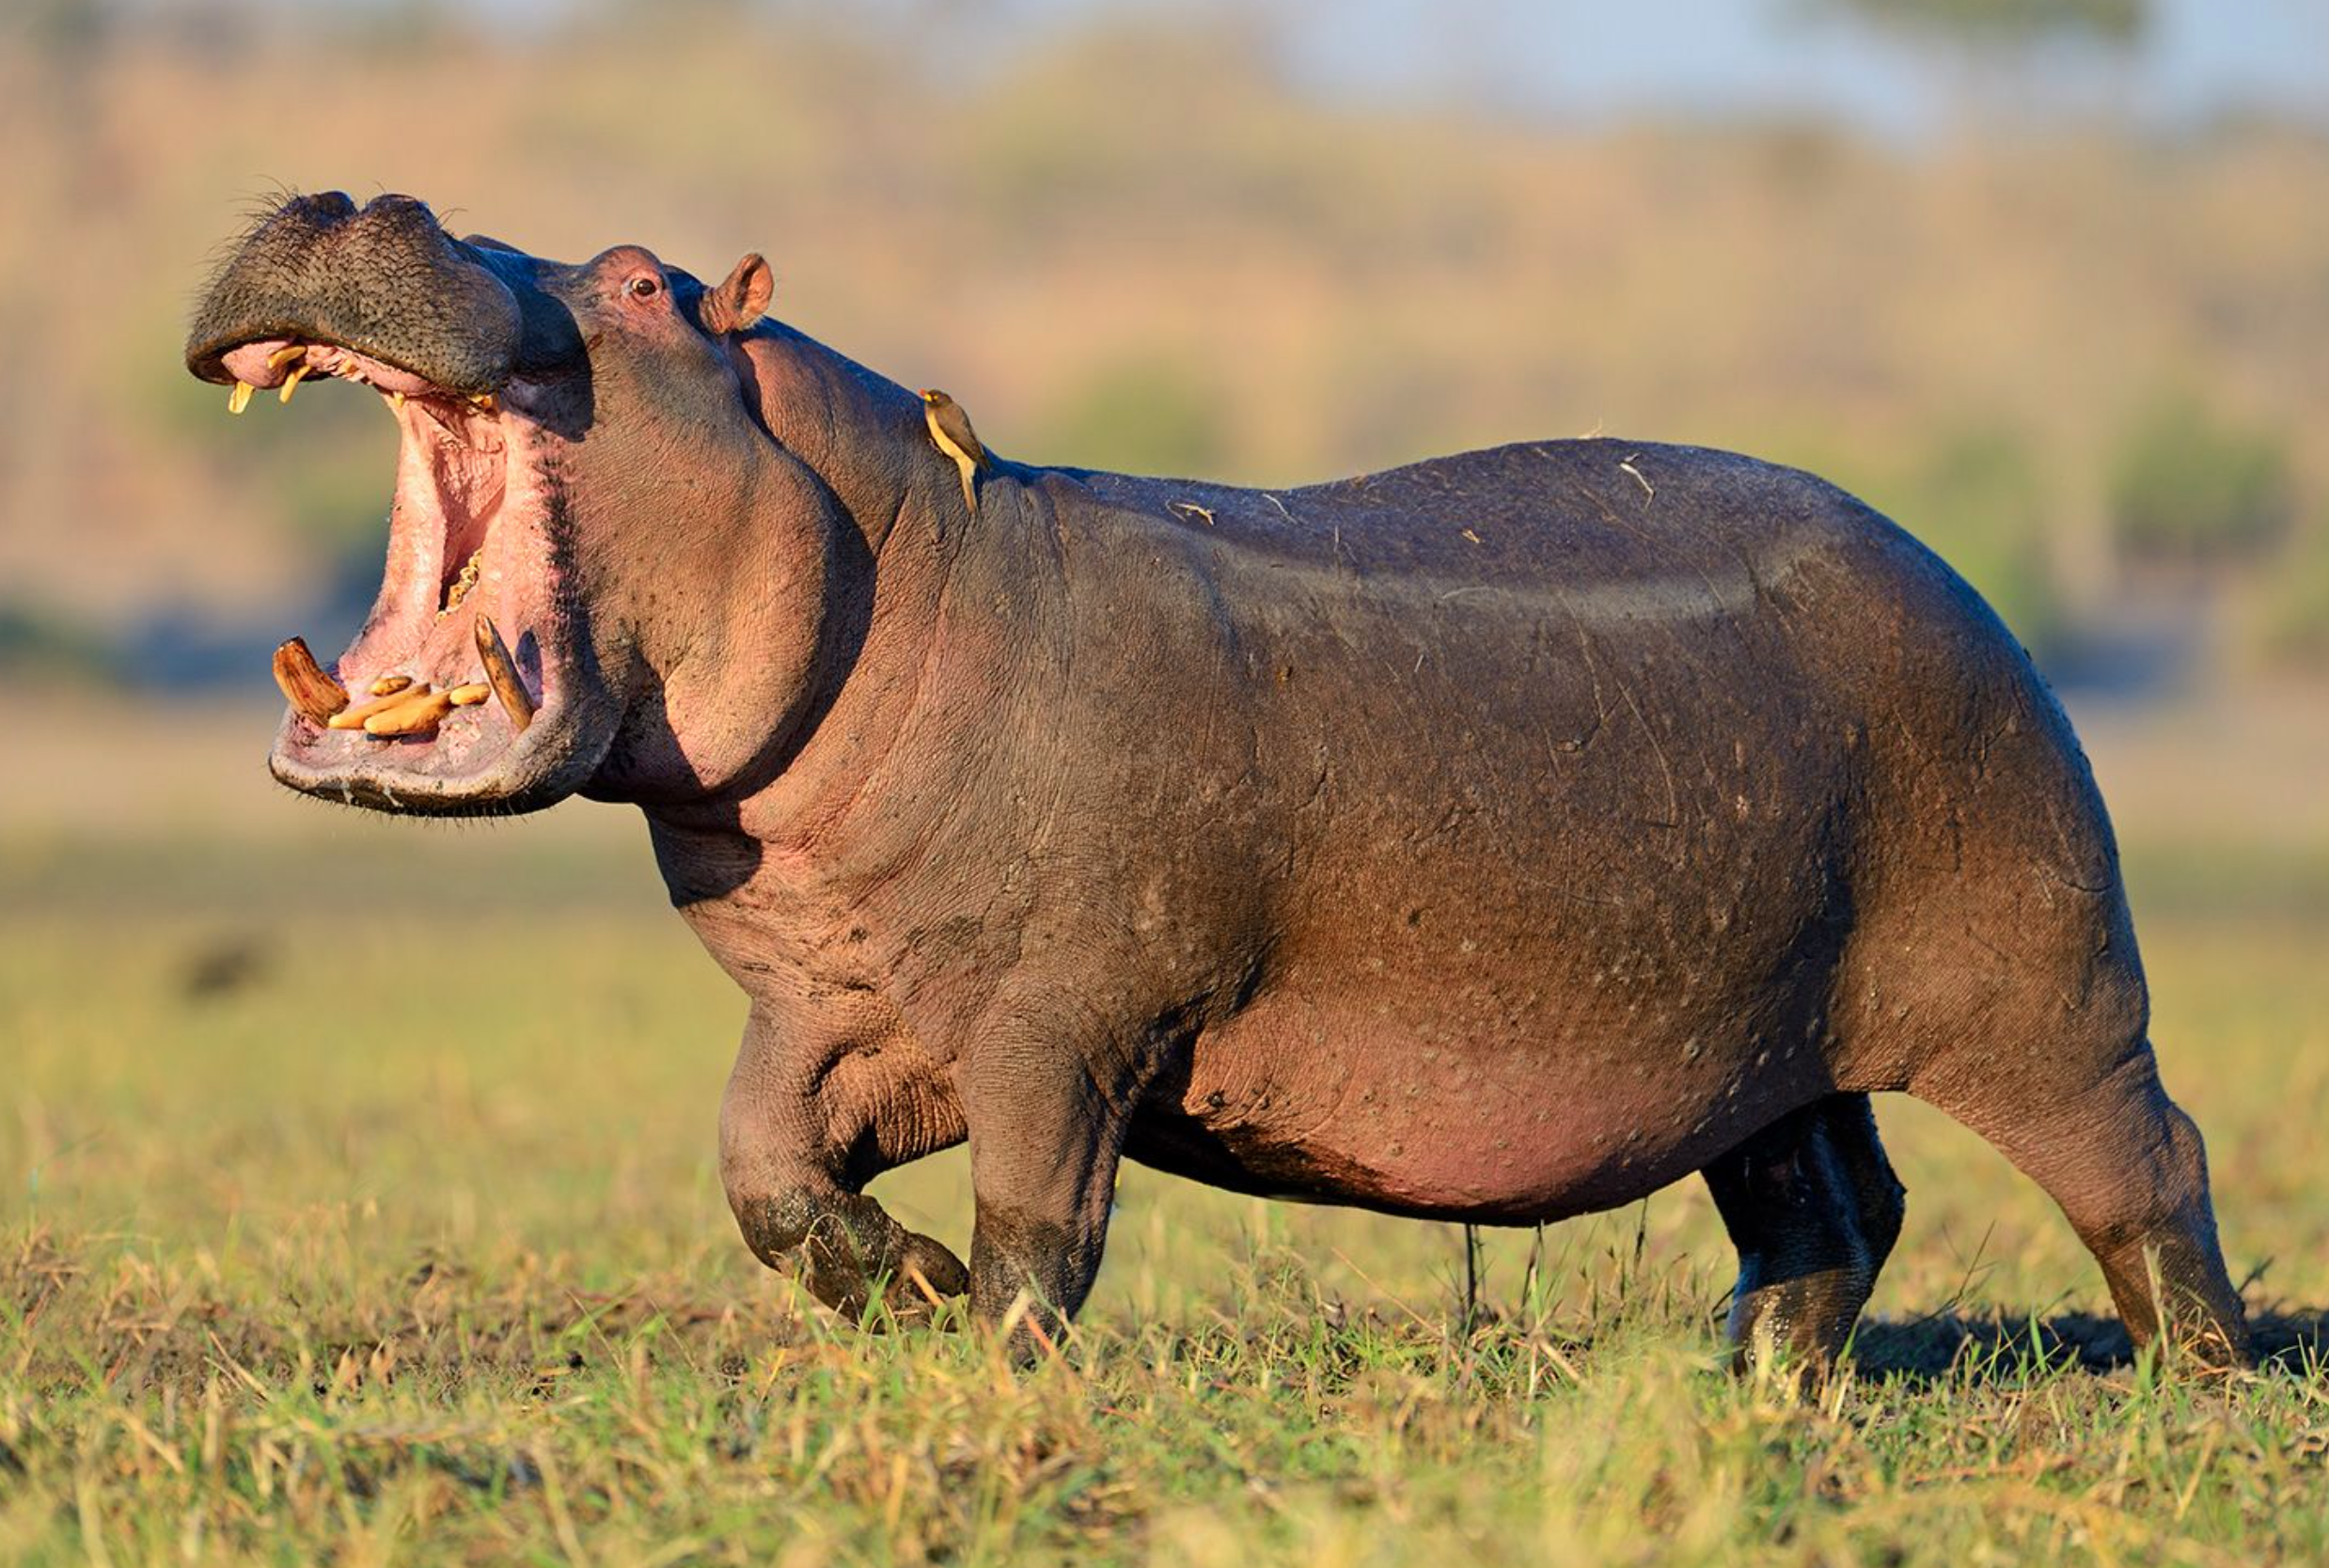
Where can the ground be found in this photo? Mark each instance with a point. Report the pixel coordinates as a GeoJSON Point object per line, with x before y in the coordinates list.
{"type": "Point", "coordinates": [361, 1206]}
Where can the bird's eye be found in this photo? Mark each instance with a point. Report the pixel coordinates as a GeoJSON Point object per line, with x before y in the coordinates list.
{"type": "Point", "coordinates": [645, 287]}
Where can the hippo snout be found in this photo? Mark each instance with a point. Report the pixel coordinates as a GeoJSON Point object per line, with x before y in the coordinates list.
{"type": "Point", "coordinates": [383, 280]}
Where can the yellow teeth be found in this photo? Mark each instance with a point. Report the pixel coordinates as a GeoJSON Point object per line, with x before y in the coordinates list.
{"type": "Point", "coordinates": [501, 674]}
{"type": "Point", "coordinates": [487, 402]}
{"type": "Point", "coordinates": [470, 695]}
{"type": "Point", "coordinates": [411, 714]}
{"type": "Point", "coordinates": [396, 401]}
{"type": "Point", "coordinates": [462, 584]}
{"type": "Point", "coordinates": [285, 354]}
{"type": "Point", "coordinates": [356, 717]}
{"type": "Point", "coordinates": [316, 694]}
{"type": "Point", "coordinates": [240, 398]}
{"type": "Point", "coordinates": [388, 685]}
{"type": "Point", "coordinates": [290, 382]}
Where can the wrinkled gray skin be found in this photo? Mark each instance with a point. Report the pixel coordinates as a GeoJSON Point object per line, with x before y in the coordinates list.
{"type": "Point", "coordinates": [1498, 838]}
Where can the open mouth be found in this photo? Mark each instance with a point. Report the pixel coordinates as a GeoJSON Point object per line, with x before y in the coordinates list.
{"type": "Point", "coordinates": [450, 699]}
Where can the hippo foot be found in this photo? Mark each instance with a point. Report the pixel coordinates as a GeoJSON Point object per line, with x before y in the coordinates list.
{"type": "Point", "coordinates": [845, 1247]}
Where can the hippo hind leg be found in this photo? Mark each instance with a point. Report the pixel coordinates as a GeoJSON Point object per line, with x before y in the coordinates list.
{"type": "Point", "coordinates": [1813, 1206]}
{"type": "Point", "coordinates": [2128, 1170]}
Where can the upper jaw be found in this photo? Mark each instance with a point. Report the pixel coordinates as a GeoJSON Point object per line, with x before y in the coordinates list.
{"type": "Point", "coordinates": [385, 279]}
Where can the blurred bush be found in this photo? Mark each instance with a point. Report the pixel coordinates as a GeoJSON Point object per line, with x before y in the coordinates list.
{"type": "Point", "coordinates": [1978, 501]}
{"type": "Point", "coordinates": [37, 646]}
{"type": "Point", "coordinates": [2293, 626]}
{"type": "Point", "coordinates": [2189, 486]}
{"type": "Point", "coordinates": [1142, 413]}
{"type": "Point", "coordinates": [1975, 495]}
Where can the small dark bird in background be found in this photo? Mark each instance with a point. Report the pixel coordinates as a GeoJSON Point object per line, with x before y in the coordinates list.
{"type": "Point", "coordinates": [949, 428]}
{"type": "Point", "coordinates": [224, 964]}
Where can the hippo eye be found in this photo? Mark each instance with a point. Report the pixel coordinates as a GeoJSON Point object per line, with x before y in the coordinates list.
{"type": "Point", "coordinates": [644, 287]}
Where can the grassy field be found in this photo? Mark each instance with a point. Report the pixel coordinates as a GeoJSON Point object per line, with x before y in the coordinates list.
{"type": "Point", "coordinates": [360, 1206]}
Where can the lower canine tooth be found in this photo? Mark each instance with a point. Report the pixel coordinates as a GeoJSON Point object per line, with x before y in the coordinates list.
{"type": "Point", "coordinates": [285, 354]}
{"type": "Point", "coordinates": [316, 694]}
{"type": "Point", "coordinates": [502, 673]}
{"type": "Point", "coordinates": [240, 398]}
{"type": "Point", "coordinates": [353, 718]}
{"type": "Point", "coordinates": [410, 714]}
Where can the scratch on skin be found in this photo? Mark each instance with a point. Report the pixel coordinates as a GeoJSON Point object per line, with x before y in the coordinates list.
{"type": "Point", "coordinates": [1649, 491]}
{"type": "Point", "coordinates": [1673, 803]}
{"type": "Point", "coordinates": [1280, 505]}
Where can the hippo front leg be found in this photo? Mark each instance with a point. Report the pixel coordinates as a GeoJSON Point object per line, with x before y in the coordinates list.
{"type": "Point", "coordinates": [1046, 1141]}
{"type": "Point", "coordinates": [815, 1108]}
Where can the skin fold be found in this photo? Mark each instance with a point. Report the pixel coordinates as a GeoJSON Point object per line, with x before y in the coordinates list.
{"type": "Point", "coordinates": [1498, 838]}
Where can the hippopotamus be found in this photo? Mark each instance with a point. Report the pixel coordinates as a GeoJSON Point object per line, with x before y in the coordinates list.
{"type": "Point", "coordinates": [1497, 839]}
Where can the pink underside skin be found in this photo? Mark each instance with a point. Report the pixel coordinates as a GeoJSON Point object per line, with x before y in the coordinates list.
{"type": "Point", "coordinates": [466, 479]}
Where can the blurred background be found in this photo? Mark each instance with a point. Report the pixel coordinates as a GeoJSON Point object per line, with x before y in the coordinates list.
{"type": "Point", "coordinates": [2045, 280]}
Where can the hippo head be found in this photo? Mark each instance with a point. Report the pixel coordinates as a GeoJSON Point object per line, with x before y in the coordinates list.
{"type": "Point", "coordinates": [590, 527]}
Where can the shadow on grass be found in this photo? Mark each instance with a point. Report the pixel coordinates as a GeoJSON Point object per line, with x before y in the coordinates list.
{"type": "Point", "coordinates": [1951, 1345]}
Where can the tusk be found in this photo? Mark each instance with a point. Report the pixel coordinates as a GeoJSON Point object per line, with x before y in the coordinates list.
{"type": "Point", "coordinates": [285, 354]}
{"type": "Point", "coordinates": [290, 384]}
{"type": "Point", "coordinates": [388, 685]}
{"type": "Point", "coordinates": [410, 714]}
{"type": "Point", "coordinates": [470, 695]}
{"type": "Point", "coordinates": [240, 398]}
{"type": "Point", "coordinates": [352, 718]}
{"type": "Point", "coordinates": [502, 673]}
{"type": "Point", "coordinates": [316, 694]}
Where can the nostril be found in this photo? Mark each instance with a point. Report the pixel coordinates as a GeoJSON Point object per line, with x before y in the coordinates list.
{"type": "Point", "coordinates": [328, 205]}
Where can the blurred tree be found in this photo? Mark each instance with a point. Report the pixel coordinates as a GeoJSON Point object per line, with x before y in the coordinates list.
{"type": "Point", "coordinates": [65, 31]}
{"type": "Point", "coordinates": [1995, 58]}
{"type": "Point", "coordinates": [2003, 24]}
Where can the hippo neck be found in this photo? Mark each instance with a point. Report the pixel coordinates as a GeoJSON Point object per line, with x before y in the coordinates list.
{"type": "Point", "coordinates": [851, 425]}
{"type": "Point", "coordinates": [842, 814]}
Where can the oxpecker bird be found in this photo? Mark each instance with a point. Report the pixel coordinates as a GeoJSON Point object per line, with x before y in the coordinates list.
{"type": "Point", "coordinates": [950, 431]}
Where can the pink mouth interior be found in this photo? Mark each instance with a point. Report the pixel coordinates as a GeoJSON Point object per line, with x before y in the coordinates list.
{"type": "Point", "coordinates": [468, 494]}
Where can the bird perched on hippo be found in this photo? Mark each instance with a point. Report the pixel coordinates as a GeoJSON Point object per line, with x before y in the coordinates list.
{"type": "Point", "coordinates": [1497, 839]}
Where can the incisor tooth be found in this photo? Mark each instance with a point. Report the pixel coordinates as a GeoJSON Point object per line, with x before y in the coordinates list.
{"type": "Point", "coordinates": [290, 382]}
{"type": "Point", "coordinates": [316, 694]}
{"type": "Point", "coordinates": [285, 354]}
{"type": "Point", "coordinates": [240, 398]}
{"type": "Point", "coordinates": [470, 695]}
{"type": "Point", "coordinates": [502, 673]}
{"type": "Point", "coordinates": [388, 685]}
{"type": "Point", "coordinates": [410, 714]}
{"type": "Point", "coordinates": [352, 718]}
{"type": "Point", "coordinates": [396, 399]}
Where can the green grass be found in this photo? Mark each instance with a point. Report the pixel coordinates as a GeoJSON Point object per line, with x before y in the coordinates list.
{"type": "Point", "coordinates": [368, 1213]}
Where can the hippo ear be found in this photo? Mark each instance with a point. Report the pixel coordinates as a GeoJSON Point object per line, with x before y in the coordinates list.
{"type": "Point", "coordinates": [737, 302]}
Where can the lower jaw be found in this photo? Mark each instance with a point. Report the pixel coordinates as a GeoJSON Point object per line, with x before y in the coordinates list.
{"type": "Point", "coordinates": [469, 765]}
